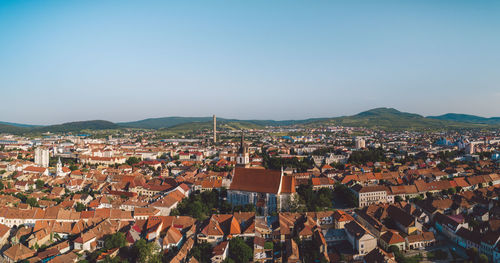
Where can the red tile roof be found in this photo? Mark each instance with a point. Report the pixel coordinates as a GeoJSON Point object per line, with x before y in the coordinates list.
{"type": "Point", "coordinates": [256, 180]}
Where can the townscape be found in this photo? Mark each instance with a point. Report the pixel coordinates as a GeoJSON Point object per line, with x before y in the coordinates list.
{"type": "Point", "coordinates": [274, 194]}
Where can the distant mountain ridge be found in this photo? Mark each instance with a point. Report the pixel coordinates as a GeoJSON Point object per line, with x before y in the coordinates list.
{"type": "Point", "coordinates": [166, 122]}
{"type": "Point", "coordinates": [391, 119]}
{"type": "Point", "coordinates": [466, 118]}
{"type": "Point", "coordinates": [383, 118]}
{"type": "Point", "coordinates": [61, 128]}
{"type": "Point", "coordinates": [19, 124]}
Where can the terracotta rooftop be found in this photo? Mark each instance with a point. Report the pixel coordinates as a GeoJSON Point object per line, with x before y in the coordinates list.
{"type": "Point", "coordinates": [256, 180]}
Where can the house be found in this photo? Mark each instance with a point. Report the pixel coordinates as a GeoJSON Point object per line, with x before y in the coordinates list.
{"type": "Point", "coordinates": [69, 257]}
{"type": "Point", "coordinates": [324, 218]}
{"type": "Point", "coordinates": [145, 212]}
{"type": "Point", "coordinates": [374, 194]}
{"type": "Point", "coordinates": [404, 191]}
{"type": "Point", "coordinates": [17, 253]}
{"type": "Point", "coordinates": [420, 240]}
{"type": "Point", "coordinates": [379, 256]}
{"type": "Point", "coordinates": [220, 252]}
{"type": "Point", "coordinates": [371, 223]}
{"type": "Point", "coordinates": [322, 182]}
{"type": "Point", "coordinates": [173, 238]}
{"type": "Point", "coordinates": [40, 237]}
{"type": "Point", "coordinates": [468, 239]}
{"type": "Point", "coordinates": [211, 232]}
{"type": "Point", "coordinates": [449, 225]}
{"type": "Point", "coordinates": [86, 241]}
{"type": "Point", "coordinates": [292, 251]}
{"type": "Point", "coordinates": [480, 213]}
{"type": "Point", "coordinates": [36, 170]}
{"type": "Point", "coordinates": [404, 221]}
{"type": "Point", "coordinates": [319, 241]}
{"type": "Point", "coordinates": [168, 202]}
{"type": "Point", "coordinates": [22, 185]}
{"type": "Point", "coordinates": [260, 252]}
{"type": "Point", "coordinates": [4, 234]}
{"type": "Point", "coordinates": [361, 240]}
{"type": "Point", "coordinates": [392, 238]}
{"type": "Point", "coordinates": [221, 226]}
{"type": "Point", "coordinates": [82, 198]}
{"type": "Point", "coordinates": [341, 218]}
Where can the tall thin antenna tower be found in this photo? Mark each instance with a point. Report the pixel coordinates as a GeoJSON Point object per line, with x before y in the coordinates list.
{"type": "Point", "coordinates": [215, 129]}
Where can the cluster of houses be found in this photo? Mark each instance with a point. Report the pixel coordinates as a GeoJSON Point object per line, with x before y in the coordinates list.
{"type": "Point", "coordinates": [62, 196]}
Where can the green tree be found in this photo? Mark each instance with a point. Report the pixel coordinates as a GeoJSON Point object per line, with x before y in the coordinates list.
{"type": "Point", "coordinates": [239, 251]}
{"type": "Point", "coordinates": [133, 160]}
{"type": "Point", "coordinates": [483, 258]}
{"type": "Point", "coordinates": [117, 240]}
{"type": "Point", "coordinates": [199, 205]}
{"type": "Point", "coordinates": [39, 184]}
{"type": "Point", "coordinates": [268, 245]}
{"type": "Point", "coordinates": [200, 250]}
{"type": "Point", "coordinates": [146, 252]}
{"type": "Point", "coordinates": [2, 186]}
{"type": "Point", "coordinates": [32, 202]}
{"type": "Point", "coordinates": [80, 207]}
{"type": "Point", "coordinates": [342, 192]}
{"type": "Point", "coordinates": [370, 155]}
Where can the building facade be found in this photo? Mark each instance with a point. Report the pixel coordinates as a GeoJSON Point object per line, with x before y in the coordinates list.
{"type": "Point", "coordinates": [269, 190]}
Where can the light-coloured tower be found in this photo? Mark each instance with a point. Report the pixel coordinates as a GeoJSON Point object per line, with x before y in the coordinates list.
{"type": "Point", "coordinates": [59, 171]}
{"type": "Point", "coordinates": [359, 142]}
{"type": "Point", "coordinates": [215, 129]}
{"type": "Point", "coordinates": [42, 156]}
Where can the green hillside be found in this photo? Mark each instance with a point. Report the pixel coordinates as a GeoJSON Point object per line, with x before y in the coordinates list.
{"type": "Point", "coordinates": [392, 119]}
{"type": "Point", "coordinates": [5, 128]}
{"type": "Point", "coordinates": [466, 118]}
{"type": "Point", "coordinates": [382, 118]}
{"type": "Point", "coordinates": [157, 123]}
{"type": "Point", "coordinates": [61, 128]}
{"type": "Point", "coordinates": [78, 126]}
{"type": "Point", "coordinates": [18, 124]}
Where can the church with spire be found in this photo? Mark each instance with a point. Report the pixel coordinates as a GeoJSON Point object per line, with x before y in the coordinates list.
{"type": "Point", "coordinates": [243, 158]}
{"type": "Point", "coordinates": [59, 170]}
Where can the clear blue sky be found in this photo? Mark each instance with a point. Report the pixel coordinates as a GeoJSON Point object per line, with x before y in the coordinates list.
{"type": "Point", "coordinates": [127, 60]}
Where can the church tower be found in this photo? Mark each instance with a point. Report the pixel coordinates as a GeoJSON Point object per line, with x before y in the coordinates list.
{"type": "Point", "coordinates": [243, 159]}
{"type": "Point", "coordinates": [59, 171]}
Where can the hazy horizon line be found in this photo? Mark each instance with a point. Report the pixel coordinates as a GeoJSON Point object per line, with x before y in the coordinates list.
{"type": "Point", "coordinates": [232, 118]}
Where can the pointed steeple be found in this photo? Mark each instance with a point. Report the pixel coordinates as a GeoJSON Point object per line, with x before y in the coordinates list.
{"type": "Point", "coordinates": [59, 171]}
{"type": "Point", "coordinates": [242, 142]}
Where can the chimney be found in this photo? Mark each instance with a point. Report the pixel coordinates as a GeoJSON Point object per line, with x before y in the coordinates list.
{"type": "Point", "coordinates": [215, 129]}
